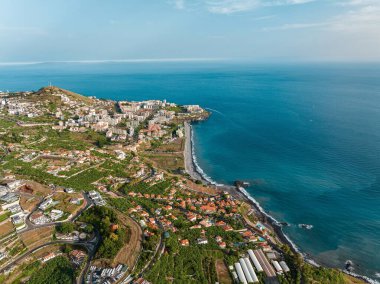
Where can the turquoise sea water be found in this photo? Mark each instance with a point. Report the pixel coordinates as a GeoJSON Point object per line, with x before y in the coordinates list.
{"type": "Point", "coordinates": [306, 136]}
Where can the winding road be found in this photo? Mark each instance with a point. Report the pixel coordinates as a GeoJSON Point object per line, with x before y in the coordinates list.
{"type": "Point", "coordinates": [89, 245]}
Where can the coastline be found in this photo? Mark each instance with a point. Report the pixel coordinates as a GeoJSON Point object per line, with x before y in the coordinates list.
{"type": "Point", "coordinates": [189, 156]}
{"type": "Point", "coordinates": [196, 172]}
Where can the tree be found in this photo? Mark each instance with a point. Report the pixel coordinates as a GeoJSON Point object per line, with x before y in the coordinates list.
{"type": "Point", "coordinates": [89, 228]}
{"type": "Point", "coordinates": [101, 141]}
{"type": "Point", "coordinates": [122, 124]}
{"type": "Point", "coordinates": [66, 248]}
{"type": "Point", "coordinates": [101, 218]}
{"type": "Point", "coordinates": [57, 270]}
{"type": "Point", "coordinates": [65, 228]}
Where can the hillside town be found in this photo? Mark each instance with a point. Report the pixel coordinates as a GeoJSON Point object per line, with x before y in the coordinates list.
{"type": "Point", "coordinates": [97, 191]}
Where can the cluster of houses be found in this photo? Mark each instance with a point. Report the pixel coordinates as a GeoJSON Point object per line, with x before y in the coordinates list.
{"type": "Point", "coordinates": [107, 275]}
{"type": "Point", "coordinates": [18, 106]}
{"type": "Point", "coordinates": [44, 215]}
{"type": "Point", "coordinates": [146, 221]}
{"type": "Point", "coordinates": [203, 212]}
{"type": "Point", "coordinates": [120, 126]}
{"type": "Point", "coordinates": [67, 159]}
{"type": "Point", "coordinates": [10, 203]}
{"type": "Point", "coordinates": [76, 256]}
{"type": "Point", "coordinates": [40, 218]}
{"type": "Point", "coordinates": [100, 115]}
{"type": "Point", "coordinates": [72, 158]}
{"type": "Point", "coordinates": [203, 204]}
{"type": "Point", "coordinates": [54, 213]}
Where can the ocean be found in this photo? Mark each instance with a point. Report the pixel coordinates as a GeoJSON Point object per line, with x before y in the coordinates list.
{"type": "Point", "coordinates": [306, 137]}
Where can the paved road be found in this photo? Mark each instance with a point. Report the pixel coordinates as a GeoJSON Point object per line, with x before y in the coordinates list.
{"type": "Point", "coordinates": [91, 246]}
{"type": "Point", "coordinates": [91, 254]}
{"type": "Point", "coordinates": [87, 244]}
{"type": "Point", "coordinates": [31, 226]}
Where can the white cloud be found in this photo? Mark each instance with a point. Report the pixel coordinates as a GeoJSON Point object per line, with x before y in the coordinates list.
{"type": "Point", "coordinates": [179, 4]}
{"type": "Point", "coordinates": [231, 6]}
{"type": "Point", "coordinates": [294, 2]}
{"type": "Point", "coordinates": [286, 2]}
{"type": "Point", "coordinates": [364, 19]}
{"type": "Point", "coordinates": [235, 6]}
{"type": "Point", "coordinates": [263, 18]}
{"type": "Point", "coordinates": [295, 26]}
{"type": "Point", "coordinates": [358, 2]}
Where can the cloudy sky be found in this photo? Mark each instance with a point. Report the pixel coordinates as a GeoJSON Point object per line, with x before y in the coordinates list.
{"type": "Point", "coordinates": [264, 30]}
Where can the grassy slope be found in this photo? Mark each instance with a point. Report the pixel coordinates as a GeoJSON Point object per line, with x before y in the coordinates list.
{"type": "Point", "coordinates": [46, 92]}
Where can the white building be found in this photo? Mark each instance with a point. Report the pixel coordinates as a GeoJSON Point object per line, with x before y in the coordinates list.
{"type": "Point", "coordinates": [96, 198]}
{"type": "Point", "coordinates": [202, 241]}
{"type": "Point", "coordinates": [46, 203]}
{"type": "Point", "coordinates": [56, 214]}
{"type": "Point", "coordinates": [120, 154]}
{"type": "Point", "coordinates": [13, 185]}
{"type": "Point", "coordinates": [39, 218]}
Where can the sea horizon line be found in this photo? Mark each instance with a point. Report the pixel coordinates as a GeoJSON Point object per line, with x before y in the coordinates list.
{"type": "Point", "coordinates": [137, 60]}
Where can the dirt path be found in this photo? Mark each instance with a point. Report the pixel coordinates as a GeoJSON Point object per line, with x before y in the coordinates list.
{"type": "Point", "coordinates": [130, 252]}
{"type": "Point", "coordinates": [86, 169]}
{"type": "Point", "coordinates": [222, 272]}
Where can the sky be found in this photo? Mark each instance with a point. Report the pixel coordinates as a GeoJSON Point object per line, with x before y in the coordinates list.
{"type": "Point", "coordinates": [261, 30]}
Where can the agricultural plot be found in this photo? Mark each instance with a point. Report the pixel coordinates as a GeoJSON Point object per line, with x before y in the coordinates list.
{"type": "Point", "coordinates": [4, 216]}
{"type": "Point", "coordinates": [188, 265]}
{"type": "Point", "coordinates": [222, 272]}
{"type": "Point", "coordinates": [36, 237]}
{"type": "Point", "coordinates": [168, 162]}
{"type": "Point", "coordinates": [142, 187]}
{"type": "Point", "coordinates": [29, 203]}
{"type": "Point", "coordinates": [6, 228]}
{"type": "Point", "coordinates": [201, 188]}
{"type": "Point", "coordinates": [177, 145]}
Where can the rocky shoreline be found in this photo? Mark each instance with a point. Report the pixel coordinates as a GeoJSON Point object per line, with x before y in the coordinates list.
{"type": "Point", "coordinates": [192, 169]}
{"type": "Point", "coordinates": [196, 173]}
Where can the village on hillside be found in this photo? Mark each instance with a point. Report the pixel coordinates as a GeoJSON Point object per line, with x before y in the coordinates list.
{"type": "Point", "coordinates": [97, 191]}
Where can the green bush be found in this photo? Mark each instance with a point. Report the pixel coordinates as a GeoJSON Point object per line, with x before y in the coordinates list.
{"type": "Point", "coordinates": [102, 218]}
{"type": "Point", "coordinates": [57, 271]}
{"type": "Point", "coordinates": [65, 228]}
